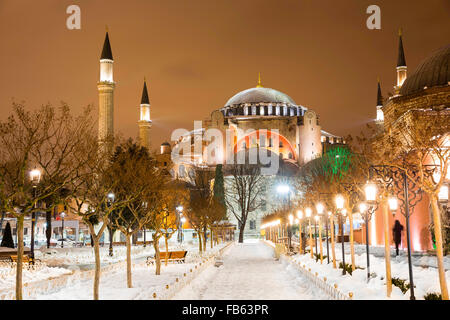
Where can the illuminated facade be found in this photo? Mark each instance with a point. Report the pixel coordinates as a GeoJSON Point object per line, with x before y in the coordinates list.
{"type": "Point", "coordinates": [425, 90]}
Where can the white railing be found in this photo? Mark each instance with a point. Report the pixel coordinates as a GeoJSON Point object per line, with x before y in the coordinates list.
{"type": "Point", "coordinates": [331, 290]}
{"type": "Point", "coordinates": [170, 290]}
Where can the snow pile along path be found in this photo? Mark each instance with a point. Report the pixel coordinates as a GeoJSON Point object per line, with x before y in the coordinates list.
{"type": "Point", "coordinates": [249, 271]}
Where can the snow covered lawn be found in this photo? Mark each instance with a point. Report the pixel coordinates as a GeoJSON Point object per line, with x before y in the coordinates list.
{"type": "Point", "coordinates": [83, 258]}
{"type": "Point", "coordinates": [249, 271]}
{"type": "Point", "coordinates": [426, 279]}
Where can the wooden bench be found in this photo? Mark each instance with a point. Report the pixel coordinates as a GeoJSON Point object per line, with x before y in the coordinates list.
{"type": "Point", "coordinates": [172, 256]}
{"type": "Point", "coordinates": [25, 259]}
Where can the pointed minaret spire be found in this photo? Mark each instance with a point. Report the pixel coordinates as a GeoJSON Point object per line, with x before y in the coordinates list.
{"type": "Point", "coordinates": [144, 99]}
{"type": "Point", "coordinates": [259, 85]}
{"type": "Point", "coordinates": [105, 88]}
{"type": "Point", "coordinates": [380, 114]}
{"type": "Point", "coordinates": [106, 52]}
{"type": "Point", "coordinates": [379, 95]}
{"type": "Point", "coordinates": [401, 64]}
{"type": "Point", "coordinates": [145, 123]}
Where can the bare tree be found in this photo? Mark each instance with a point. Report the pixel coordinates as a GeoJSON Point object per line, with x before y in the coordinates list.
{"type": "Point", "coordinates": [43, 139]}
{"type": "Point", "coordinates": [243, 190]}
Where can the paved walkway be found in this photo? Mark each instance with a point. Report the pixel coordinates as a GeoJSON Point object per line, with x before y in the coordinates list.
{"type": "Point", "coordinates": [250, 272]}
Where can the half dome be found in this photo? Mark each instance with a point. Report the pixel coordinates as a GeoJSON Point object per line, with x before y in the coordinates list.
{"type": "Point", "coordinates": [260, 95]}
{"type": "Point", "coordinates": [433, 71]}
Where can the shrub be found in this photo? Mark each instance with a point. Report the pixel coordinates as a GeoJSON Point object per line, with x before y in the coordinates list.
{"type": "Point", "coordinates": [318, 256]}
{"type": "Point", "coordinates": [432, 296]}
{"type": "Point", "coordinates": [402, 284]}
{"type": "Point", "coordinates": [348, 267]}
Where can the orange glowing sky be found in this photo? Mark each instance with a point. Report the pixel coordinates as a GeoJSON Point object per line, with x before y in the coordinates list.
{"type": "Point", "coordinates": [197, 54]}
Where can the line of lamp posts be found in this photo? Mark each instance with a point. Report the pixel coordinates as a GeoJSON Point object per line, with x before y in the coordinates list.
{"type": "Point", "coordinates": [366, 209]}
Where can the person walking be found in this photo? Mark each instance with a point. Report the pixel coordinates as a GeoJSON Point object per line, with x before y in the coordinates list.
{"type": "Point", "coordinates": [397, 234]}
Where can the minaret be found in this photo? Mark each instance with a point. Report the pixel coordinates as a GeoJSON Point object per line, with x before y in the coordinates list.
{"type": "Point", "coordinates": [145, 123]}
{"type": "Point", "coordinates": [380, 115]}
{"type": "Point", "coordinates": [106, 94]}
{"type": "Point", "coordinates": [401, 64]}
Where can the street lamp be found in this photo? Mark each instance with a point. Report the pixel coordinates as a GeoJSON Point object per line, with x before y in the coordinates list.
{"type": "Point", "coordinates": [179, 216]}
{"type": "Point", "coordinates": [62, 215]}
{"type": "Point", "coordinates": [110, 201]}
{"type": "Point", "coordinates": [340, 208]}
{"type": "Point", "coordinates": [183, 220]}
{"type": "Point", "coordinates": [320, 208]}
{"type": "Point", "coordinates": [35, 177]}
{"type": "Point", "coordinates": [393, 205]}
{"type": "Point", "coordinates": [285, 189]}
{"type": "Point", "coordinates": [308, 212]}
{"type": "Point", "coordinates": [300, 217]}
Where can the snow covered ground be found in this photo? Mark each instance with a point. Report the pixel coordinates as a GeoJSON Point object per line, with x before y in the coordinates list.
{"type": "Point", "coordinates": [83, 258]}
{"type": "Point", "coordinates": [426, 278]}
{"type": "Point", "coordinates": [113, 283]}
{"type": "Point", "coordinates": [249, 271]}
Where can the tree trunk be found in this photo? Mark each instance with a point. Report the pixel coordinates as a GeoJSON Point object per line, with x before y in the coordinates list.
{"type": "Point", "coordinates": [19, 230]}
{"type": "Point", "coordinates": [241, 234]}
{"type": "Point", "coordinates": [129, 280]}
{"type": "Point", "coordinates": [333, 251]}
{"type": "Point", "coordinates": [352, 245]}
{"type": "Point", "coordinates": [157, 256]}
{"type": "Point", "coordinates": [212, 238]}
{"type": "Point", "coordinates": [387, 249]}
{"type": "Point", "coordinates": [200, 247]}
{"type": "Point", "coordinates": [439, 251]}
{"type": "Point", "coordinates": [310, 240]}
{"type": "Point", "coordinates": [48, 231]}
{"type": "Point", "coordinates": [204, 239]}
{"type": "Point", "coordinates": [167, 250]}
{"type": "Point", "coordinates": [97, 266]}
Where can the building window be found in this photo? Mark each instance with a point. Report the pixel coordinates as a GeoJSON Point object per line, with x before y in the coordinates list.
{"type": "Point", "coordinates": [252, 224]}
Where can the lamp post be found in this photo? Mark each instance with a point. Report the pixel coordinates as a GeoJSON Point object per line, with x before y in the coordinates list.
{"type": "Point", "coordinates": [320, 208]}
{"type": "Point", "coordinates": [35, 176]}
{"type": "Point", "coordinates": [144, 205]}
{"type": "Point", "coordinates": [179, 217]}
{"type": "Point", "coordinates": [183, 220]}
{"type": "Point", "coordinates": [308, 215]}
{"type": "Point", "coordinates": [285, 189]}
{"type": "Point", "coordinates": [326, 230]}
{"type": "Point", "coordinates": [370, 191]}
{"type": "Point", "coordinates": [300, 217]}
{"type": "Point", "coordinates": [110, 201]}
{"type": "Point", "coordinates": [62, 215]}
{"type": "Point", "coordinates": [404, 183]}
{"type": "Point", "coordinates": [341, 212]}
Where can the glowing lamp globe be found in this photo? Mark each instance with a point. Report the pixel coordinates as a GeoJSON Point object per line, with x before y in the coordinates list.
{"type": "Point", "coordinates": [300, 214]}
{"type": "Point", "coordinates": [393, 203]}
{"type": "Point", "coordinates": [319, 208]}
{"type": "Point", "coordinates": [339, 201]}
{"type": "Point", "coordinates": [308, 212]}
{"type": "Point", "coordinates": [362, 207]}
{"type": "Point", "coordinates": [443, 193]}
{"type": "Point", "coordinates": [371, 191]}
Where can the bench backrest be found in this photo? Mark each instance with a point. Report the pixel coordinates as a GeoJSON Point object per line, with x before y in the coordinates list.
{"type": "Point", "coordinates": [24, 258]}
{"type": "Point", "coordinates": [178, 254]}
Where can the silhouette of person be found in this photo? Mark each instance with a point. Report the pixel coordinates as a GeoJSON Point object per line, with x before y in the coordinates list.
{"type": "Point", "coordinates": [397, 233]}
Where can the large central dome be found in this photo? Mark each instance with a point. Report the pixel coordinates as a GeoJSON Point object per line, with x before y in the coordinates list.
{"type": "Point", "coordinates": [260, 95]}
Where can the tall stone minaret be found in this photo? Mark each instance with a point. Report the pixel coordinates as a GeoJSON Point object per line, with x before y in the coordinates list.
{"type": "Point", "coordinates": [401, 64]}
{"type": "Point", "coordinates": [106, 94]}
{"type": "Point", "coordinates": [145, 123]}
{"type": "Point", "coordinates": [380, 115]}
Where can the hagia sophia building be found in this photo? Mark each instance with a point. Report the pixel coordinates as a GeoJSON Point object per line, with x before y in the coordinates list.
{"type": "Point", "coordinates": [272, 115]}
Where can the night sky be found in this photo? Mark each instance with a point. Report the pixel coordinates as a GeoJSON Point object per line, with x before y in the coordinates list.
{"type": "Point", "coordinates": [197, 54]}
